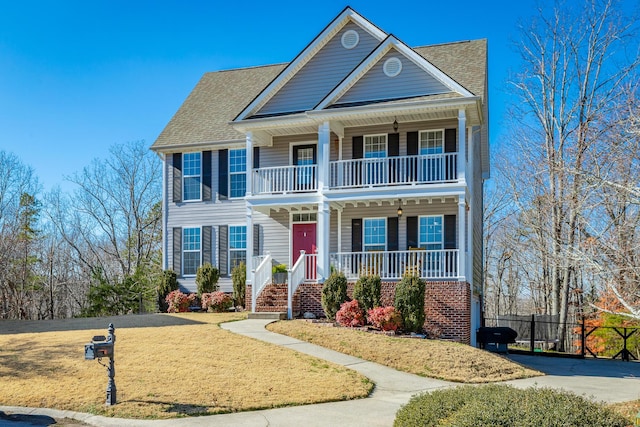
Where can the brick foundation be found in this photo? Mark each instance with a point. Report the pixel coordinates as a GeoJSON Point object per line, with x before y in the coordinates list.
{"type": "Point", "coordinates": [447, 305]}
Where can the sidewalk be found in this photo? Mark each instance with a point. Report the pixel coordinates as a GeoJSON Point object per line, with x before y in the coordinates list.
{"type": "Point", "coordinates": [603, 380]}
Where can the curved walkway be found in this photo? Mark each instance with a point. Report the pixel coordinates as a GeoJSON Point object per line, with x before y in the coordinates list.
{"type": "Point", "coordinates": [611, 381]}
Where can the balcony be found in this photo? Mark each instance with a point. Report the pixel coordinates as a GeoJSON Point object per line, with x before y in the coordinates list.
{"type": "Point", "coordinates": [358, 173]}
{"type": "Point", "coordinates": [392, 265]}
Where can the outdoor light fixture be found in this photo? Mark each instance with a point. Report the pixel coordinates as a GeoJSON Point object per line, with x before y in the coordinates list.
{"type": "Point", "coordinates": [399, 208]}
{"type": "Point", "coordinates": [395, 125]}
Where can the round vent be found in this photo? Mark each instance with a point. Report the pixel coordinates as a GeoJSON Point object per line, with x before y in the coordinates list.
{"type": "Point", "coordinates": [350, 39]}
{"type": "Point", "coordinates": [392, 66]}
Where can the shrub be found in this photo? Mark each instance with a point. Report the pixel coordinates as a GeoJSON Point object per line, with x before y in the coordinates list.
{"type": "Point", "coordinates": [217, 302]}
{"type": "Point", "coordinates": [367, 291]}
{"type": "Point", "coordinates": [239, 279]}
{"type": "Point", "coordinates": [179, 302]}
{"type": "Point", "coordinates": [350, 314]}
{"type": "Point", "coordinates": [384, 318]}
{"type": "Point", "coordinates": [501, 405]}
{"type": "Point", "coordinates": [409, 302]}
{"type": "Point", "coordinates": [334, 293]}
{"type": "Point", "coordinates": [207, 278]}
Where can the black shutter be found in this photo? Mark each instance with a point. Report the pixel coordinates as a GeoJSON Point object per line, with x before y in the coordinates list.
{"type": "Point", "coordinates": [223, 174]}
{"type": "Point", "coordinates": [256, 157]}
{"type": "Point", "coordinates": [450, 232]}
{"type": "Point", "coordinates": [412, 143]}
{"type": "Point", "coordinates": [177, 177]}
{"type": "Point", "coordinates": [392, 233]}
{"type": "Point", "coordinates": [412, 232]}
{"type": "Point", "coordinates": [206, 176]}
{"type": "Point", "coordinates": [450, 146]}
{"type": "Point", "coordinates": [356, 235]}
{"type": "Point", "coordinates": [256, 239]}
{"type": "Point", "coordinates": [177, 250]}
{"type": "Point", "coordinates": [223, 250]}
{"type": "Point", "coordinates": [393, 144]}
{"type": "Point", "coordinates": [357, 143]}
{"type": "Point", "coordinates": [206, 245]}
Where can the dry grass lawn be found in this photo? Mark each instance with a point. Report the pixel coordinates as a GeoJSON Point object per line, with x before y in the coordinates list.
{"type": "Point", "coordinates": [183, 365]}
{"type": "Point", "coordinates": [430, 358]}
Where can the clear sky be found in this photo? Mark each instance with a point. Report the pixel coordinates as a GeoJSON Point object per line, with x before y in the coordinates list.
{"type": "Point", "coordinates": [79, 76]}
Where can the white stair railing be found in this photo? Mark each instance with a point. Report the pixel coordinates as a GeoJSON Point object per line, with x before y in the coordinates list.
{"type": "Point", "coordinates": [262, 276]}
{"type": "Point", "coordinates": [296, 277]}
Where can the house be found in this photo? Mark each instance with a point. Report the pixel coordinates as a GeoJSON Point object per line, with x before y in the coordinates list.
{"type": "Point", "coordinates": [361, 155]}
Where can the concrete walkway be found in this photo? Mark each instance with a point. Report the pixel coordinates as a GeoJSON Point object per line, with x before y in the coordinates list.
{"type": "Point", "coordinates": [610, 381]}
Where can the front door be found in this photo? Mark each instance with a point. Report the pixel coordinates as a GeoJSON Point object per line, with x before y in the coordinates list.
{"type": "Point", "coordinates": [304, 239]}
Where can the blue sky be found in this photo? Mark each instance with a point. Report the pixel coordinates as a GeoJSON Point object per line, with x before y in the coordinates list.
{"type": "Point", "coordinates": [79, 76]}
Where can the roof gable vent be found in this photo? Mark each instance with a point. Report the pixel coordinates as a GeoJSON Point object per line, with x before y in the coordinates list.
{"type": "Point", "coordinates": [350, 39]}
{"type": "Point", "coordinates": [392, 66]}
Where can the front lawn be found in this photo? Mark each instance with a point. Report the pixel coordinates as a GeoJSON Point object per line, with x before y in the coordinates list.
{"type": "Point", "coordinates": [429, 358]}
{"type": "Point", "coordinates": [186, 366]}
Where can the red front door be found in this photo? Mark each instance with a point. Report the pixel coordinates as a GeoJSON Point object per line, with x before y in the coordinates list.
{"type": "Point", "coordinates": [304, 239]}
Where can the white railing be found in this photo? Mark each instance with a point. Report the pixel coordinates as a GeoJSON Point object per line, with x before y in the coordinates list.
{"type": "Point", "coordinates": [296, 277]}
{"type": "Point", "coordinates": [392, 265]}
{"type": "Point", "coordinates": [285, 179]}
{"type": "Point", "coordinates": [310, 267]}
{"type": "Point", "coordinates": [423, 169]}
{"type": "Point", "coordinates": [262, 276]}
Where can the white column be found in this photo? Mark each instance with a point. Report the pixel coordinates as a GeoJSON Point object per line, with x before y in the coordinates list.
{"type": "Point", "coordinates": [324, 135]}
{"type": "Point", "coordinates": [462, 237]}
{"type": "Point", "coordinates": [462, 138]}
{"type": "Point", "coordinates": [322, 241]}
{"type": "Point", "coordinates": [470, 212]}
{"type": "Point", "coordinates": [165, 200]}
{"type": "Point", "coordinates": [249, 177]}
{"type": "Point", "coordinates": [249, 262]}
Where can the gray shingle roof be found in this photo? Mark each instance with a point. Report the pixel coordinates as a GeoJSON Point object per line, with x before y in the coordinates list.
{"type": "Point", "coordinates": [219, 96]}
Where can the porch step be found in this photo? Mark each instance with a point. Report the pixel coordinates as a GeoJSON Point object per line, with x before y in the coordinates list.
{"type": "Point", "coordinates": [269, 315]}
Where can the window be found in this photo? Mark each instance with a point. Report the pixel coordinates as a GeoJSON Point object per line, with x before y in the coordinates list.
{"type": "Point", "coordinates": [191, 176]}
{"type": "Point", "coordinates": [375, 234]}
{"type": "Point", "coordinates": [237, 173]}
{"type": "Point", "coordinates": [431, 232]}
{"type": "Point", "coordinates": [237, 245]}
{"type": "Point", "coordinates": [431, 142]}
{"type": "Point", "coordinates": [375, 146]}
{"type": "Point", "coordinates": [190, 251]}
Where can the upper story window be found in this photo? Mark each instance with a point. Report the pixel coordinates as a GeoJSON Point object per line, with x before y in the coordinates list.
{"type": "Point", "coordinates": [375, 146]}
{"type": "Point", "coordinates": [237, 245]}
{"type": "Point", "coordinates": [237, 173]}
{"type": "Point", "coordinates": [431, 232]}
{"type": "Point", "coordinates": [192, 176]}
{"type": "Point", "coordinates": [190, 251]}
{"type": "Point", "coordinates": [375, 234]}
{"type": "Point", "coordinates": [431, 142]}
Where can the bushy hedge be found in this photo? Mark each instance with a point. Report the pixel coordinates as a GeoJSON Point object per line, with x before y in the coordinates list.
{"type": "Point", "coordinates": [501, 405]}
{"type": "Point", "coordinates": [334, 293]}
{"type": "Point", "coordinates": [367, 291]}
{"type": "Point", "coordinates": [350, 315]}
{"type": "Point", "coordinates": [409, 302]}
{"type": "Point", "coordinates": [239, 280]}
{"type": "Point", "coordinates": [207, 277]}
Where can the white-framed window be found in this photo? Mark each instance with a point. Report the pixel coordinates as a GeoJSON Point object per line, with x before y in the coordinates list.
{"type": "Point", "coordinates": [191, 250]}
{"type": "Point", "coordinates": [432, 142]}
{"type": "Point", "coordinates": [375, 146]}
{"type": "Point", "coordinates": [237, 173]}
{"type": "Point", "coordinates": [431, 232]}
{"type": "Point", "coordinates": [237, 245]}
{"type": "Point", "coordinates": [374, 234]}
{"type": "Point", "coordinates": [191, 175]}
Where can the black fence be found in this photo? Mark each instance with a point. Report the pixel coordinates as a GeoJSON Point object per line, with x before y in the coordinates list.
{"type": "Point", "coordinates": [540, 334]}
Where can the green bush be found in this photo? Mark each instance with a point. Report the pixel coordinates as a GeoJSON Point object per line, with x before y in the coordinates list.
{"type": "Point", "coordinates": [168, 283]}
{"type": "Point", "coordinates": [207, 278]}
{"type": "Point", "coordinates": [501, 405]}
{"type": "Point", "coordinates": [334, 293]}
{"type": "Point", "coordinates": [367, 291]}
{"type": "Point", "coordinates": [239, 279]}
{"type": "Point", "coordinates": [409, 302]}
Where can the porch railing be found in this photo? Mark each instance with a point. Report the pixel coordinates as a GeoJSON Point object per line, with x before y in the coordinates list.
{"type": "Point", "coordinates": [285, 179]}
{"type": "Point", "coordinates": [392, 265]}
{"type": "Point", "coordinates": [262, 276]}
{"type": "Point", "coordinates": [310, 267]}
{"type": "Point", "coordinates": [296, 277]}
{"type": "Point", "coordinates": [399, 170]}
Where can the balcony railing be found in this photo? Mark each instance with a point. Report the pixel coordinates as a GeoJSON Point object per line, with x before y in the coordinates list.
{"type": "Point", "coordinates": [284, 179]}
{"type": "Point", "coordinates": [394, 170]}
{"type": "Point", "coordinates": [392, 265]}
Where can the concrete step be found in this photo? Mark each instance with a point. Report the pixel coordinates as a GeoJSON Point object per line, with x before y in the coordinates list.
{"type": "Point", "coordinates": [268, 315]}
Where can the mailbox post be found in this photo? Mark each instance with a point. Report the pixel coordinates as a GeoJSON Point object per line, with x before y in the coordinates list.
{"type": "Point", "coordinates": [100, 347]}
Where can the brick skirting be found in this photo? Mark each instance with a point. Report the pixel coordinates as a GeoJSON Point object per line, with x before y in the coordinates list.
{"type": "Point", "coordinates": [447, 305]}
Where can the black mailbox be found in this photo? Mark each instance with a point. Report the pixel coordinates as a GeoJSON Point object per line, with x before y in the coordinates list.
{"type": "Point", "coordinates": [496, 339]}
{"type": "Point", "coordinates": [98, 348]}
